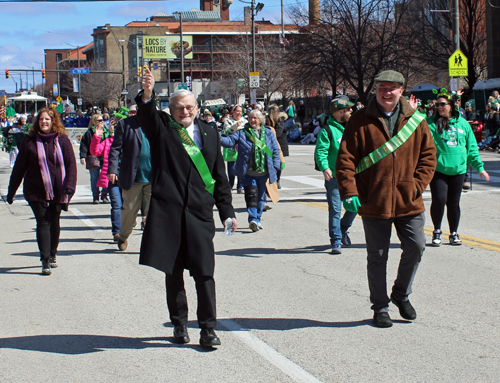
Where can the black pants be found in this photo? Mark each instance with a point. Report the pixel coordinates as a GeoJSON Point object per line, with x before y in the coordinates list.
{"type": "Point", "coordinates": [48, 228]}
{"type": "Point", "coordinates": [410, 231]}
{"type": "Point", "coordinates": [177, 301]}
{"type": "Point", "coordinates": [446, 191]}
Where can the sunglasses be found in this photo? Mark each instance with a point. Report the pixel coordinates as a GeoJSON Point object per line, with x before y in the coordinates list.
{"type": "Point", "coordinates": [441, 104]}
{"type": "Point", "coordinates": [99, 120]}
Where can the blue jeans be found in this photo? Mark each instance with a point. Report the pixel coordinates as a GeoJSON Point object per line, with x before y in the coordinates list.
{"type": "Point", "coordinates": [231, 174]}
{"type": "Point", "coordinates": [336, 226]}
{"type": "Point", "coordinates": [115, 196]}
{"type": "Point", "coordinates": [254, 213]}
{"type": "Point", "coordinates": [94, 177]}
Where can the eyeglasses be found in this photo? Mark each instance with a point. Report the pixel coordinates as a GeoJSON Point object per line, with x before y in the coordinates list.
{"type": "Point", "coordinates": [441, 104]}
{"type": "Point", "coordinates": [189, 108]}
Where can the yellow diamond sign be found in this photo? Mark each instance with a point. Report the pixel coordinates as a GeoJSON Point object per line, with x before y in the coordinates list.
{"type": "Point", "coordinates": [457, 64]}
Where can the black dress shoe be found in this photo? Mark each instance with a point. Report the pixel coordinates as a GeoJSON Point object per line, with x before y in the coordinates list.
{"type": "Point", "coordinates": [208, 338]}
{"type": "Point", "coordinates": [382, 320]}
{"type": "Point", "coordinates": [406, 310]}
{"type": "Point", "coordinates": [181, 334]}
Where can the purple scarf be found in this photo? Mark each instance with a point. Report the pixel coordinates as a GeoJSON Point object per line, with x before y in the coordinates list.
{"type": "Point", "coordinates": [44, 167]}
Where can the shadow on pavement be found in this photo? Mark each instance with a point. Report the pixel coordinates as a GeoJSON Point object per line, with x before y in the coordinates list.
{"type": "Point", "coordinates": [16, 270]}
{"type": "Point", "coordinates": [75, 344]}
{"type": "Point", "coordinates": [282, 324]}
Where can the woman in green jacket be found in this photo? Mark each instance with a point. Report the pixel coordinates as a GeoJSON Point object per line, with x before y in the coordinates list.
{"type": "Point", "coordinates": [456, 147]}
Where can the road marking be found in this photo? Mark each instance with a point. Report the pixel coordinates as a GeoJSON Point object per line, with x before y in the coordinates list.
{"type": "Point", "coordinates": [467, 239]}
{"type": "Point", "coordinates": [87, 221]}
{"type": "Point", "coordinates": [293, 370]}
{"type": "Point", "coordinates": [310, 181]}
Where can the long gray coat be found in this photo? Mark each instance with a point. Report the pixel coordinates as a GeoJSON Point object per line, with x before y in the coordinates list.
{"type": "Point", "coordinates": [180, 219]}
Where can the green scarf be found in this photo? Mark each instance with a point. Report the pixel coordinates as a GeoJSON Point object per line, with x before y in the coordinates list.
{"type": "Point", "coordinates": [259, 148]}
{"type": "Point", "coordinates": [105, 133]}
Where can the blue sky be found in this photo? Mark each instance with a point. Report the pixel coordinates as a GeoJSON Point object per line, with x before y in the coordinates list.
{"type": "Point", "coordinates": [29, 28]}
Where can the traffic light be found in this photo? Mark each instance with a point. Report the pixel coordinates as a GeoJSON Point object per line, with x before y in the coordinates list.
{"type": "Point", "coordinates": [139, 71]}
{"type": "Point", "coordinates": [43, 73]}
{"type": "Point", "coordinates": [6, 73]}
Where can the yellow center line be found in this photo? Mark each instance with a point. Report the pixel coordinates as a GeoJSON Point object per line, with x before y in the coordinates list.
{"type": "Point", "coordinates": [467, 239]}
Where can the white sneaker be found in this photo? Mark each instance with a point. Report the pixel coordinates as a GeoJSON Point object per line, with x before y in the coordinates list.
{"type": "Point", "coordinates": [436, 238]}
{"type": "Point", "coordinates": [337, 249]}
{"type": "Point", "coordinates": [455, 239]}
{"type": "Point", "coordinates": [254, 226]}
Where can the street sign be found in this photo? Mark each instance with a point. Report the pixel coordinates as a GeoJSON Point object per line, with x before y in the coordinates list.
{"type": "Point", "coordinates": [124, 91]}
{"type": "Point", "coordinates": [80, 101]}
{"type": "Point", "coordinates": [59, 99]}
{"type": "Point", "coordinates": [454, 84]}
{"type": "Point", "coordinates": [254, 79]}
{"type": "Point", "coordinates": [457, 64]}
{"type": "Point", "coordinates": [79, 70]}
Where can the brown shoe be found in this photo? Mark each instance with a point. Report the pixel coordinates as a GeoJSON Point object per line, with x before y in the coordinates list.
{"type": "Point", "coordinates": [122, 245]}
{"type": "Point", "coordinates": [116, 237]}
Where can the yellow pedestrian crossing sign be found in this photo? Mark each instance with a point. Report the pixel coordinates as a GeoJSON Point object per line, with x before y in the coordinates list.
{"type": "Point", "coordinates": [457, 64]}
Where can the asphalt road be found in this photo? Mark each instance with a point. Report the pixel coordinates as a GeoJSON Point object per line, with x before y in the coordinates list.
{"type": "Point", "coordinates": [289, 310]}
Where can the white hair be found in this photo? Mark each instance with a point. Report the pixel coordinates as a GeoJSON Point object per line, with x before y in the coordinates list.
{"type": "Point", "coordinates": [181, 93]}
{"type": "Point", "coordinates": [259, 115]}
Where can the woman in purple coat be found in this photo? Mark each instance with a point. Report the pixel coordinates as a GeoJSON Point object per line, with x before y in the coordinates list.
{"type": "Point", "coordinates": [47, 164]}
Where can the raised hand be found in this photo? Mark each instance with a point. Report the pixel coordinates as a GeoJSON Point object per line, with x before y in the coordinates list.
{"type": "Point", "coordinates": [148, 83]}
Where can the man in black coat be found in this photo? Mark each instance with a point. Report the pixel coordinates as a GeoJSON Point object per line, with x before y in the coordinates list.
{"type": "Point", "coordinates": [188, 179]}
{"type": "Point", "coordinates": [130, 152]}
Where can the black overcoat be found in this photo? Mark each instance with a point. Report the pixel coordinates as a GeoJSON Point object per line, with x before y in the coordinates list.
{"type": "Point", "coordinates": [180, 221]}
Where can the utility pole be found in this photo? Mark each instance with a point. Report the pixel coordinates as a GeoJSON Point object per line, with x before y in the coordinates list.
{"type": "Point", "coordinates": [254, 68]}
{"type": "Point", "coordinates": [455, 11]}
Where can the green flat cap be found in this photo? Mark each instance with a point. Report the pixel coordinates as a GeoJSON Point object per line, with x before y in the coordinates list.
{"type": "Point", "coordinates": [390, 76]}
{"type": "Point", "coordinates": [340, 103]}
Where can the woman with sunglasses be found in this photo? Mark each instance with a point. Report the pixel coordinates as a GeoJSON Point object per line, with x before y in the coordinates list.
{"type": "Point", "coordinates": [456, 147]}
{"type": "Point", "coordinates": [96, 121]}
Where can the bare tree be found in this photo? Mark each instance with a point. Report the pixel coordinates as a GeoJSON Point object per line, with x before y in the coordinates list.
{"type": "Point", "coordinates": [269, 62]}
{"type": "Point", "coordinates": [101, 88]}
{"type": "Point", "coordinates": [432, 32]}
{"type": "Point", "coordinates": [354, 40]}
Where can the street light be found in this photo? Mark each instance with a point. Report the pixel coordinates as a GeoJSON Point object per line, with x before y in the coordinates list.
{"type": "Point", "coordinates": [79, 75]}
{"type": "Point", "coordinates": [257, 8]}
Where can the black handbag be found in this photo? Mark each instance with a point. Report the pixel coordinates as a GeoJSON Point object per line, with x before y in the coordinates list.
{"type": "Point", "coordinates": [92, 162]}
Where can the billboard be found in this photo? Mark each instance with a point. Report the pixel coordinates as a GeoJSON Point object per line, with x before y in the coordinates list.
{"type": "Point", "coordinates": [167, 47]}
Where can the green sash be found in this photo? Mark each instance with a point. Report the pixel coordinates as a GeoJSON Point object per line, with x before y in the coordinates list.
{"type": "Point", "coordinates": [391, 145]}
{"type": "Point", "coordinates": [195, 154]}
{"type": "Point", "coordinates": [259, 144]}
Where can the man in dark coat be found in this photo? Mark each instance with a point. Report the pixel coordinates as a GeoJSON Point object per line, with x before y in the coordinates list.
{"type": "Point", "coordinates": [188, 179]}
{"type": "Point", "coordinates": [130, 152]}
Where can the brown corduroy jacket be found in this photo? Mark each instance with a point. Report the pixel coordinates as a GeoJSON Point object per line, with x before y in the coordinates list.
{"type": "Point", "coordinates": [393, 186]}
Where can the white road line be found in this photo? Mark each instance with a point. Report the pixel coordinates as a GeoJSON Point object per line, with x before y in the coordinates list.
{"type": "Point", "coordinates": [293, 370]}
{"type": "Point", "coordinates": [310, 181]}
{"type": "Point", "coordinates": [87, 221]}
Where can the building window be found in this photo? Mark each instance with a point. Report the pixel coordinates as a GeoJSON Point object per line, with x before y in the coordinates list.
{"type": "Point", "coordinates": [134, 61]}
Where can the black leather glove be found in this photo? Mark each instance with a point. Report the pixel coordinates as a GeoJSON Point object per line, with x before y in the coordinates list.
{"type": "Point", "coordinates": [10, 199]}
{"type": "Point", "coordinates": [69, 191]}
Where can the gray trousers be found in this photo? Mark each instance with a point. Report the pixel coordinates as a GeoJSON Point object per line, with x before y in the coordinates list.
{"type": "Point", "coordinates": [410, 231]}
